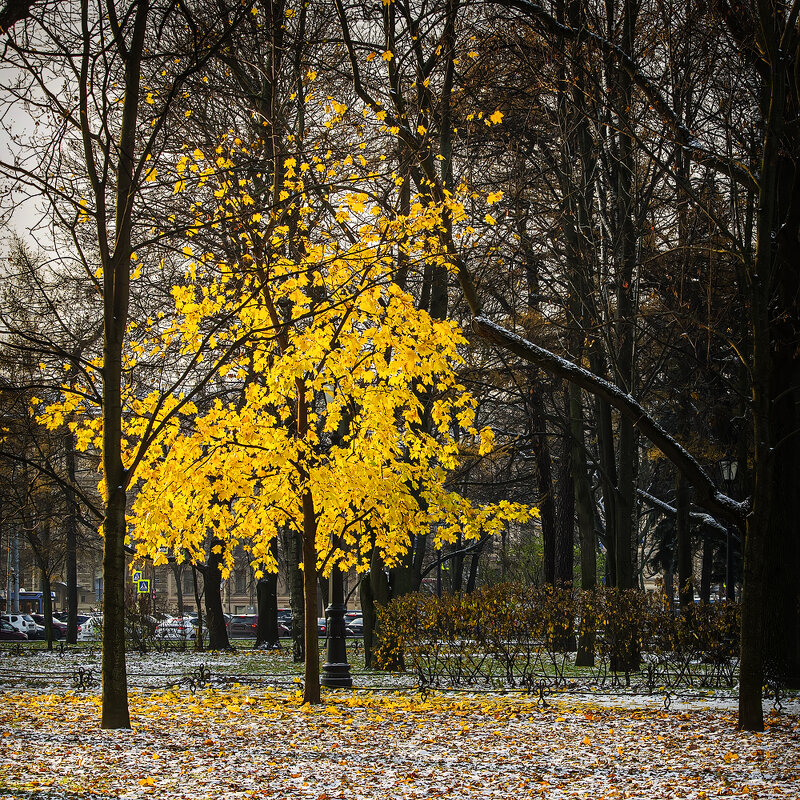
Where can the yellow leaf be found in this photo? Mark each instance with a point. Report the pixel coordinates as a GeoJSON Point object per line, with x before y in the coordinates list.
{"type": "Point", "coordinates": [497, 117]}
{"type": "Point", "coordinates": [387, 55]}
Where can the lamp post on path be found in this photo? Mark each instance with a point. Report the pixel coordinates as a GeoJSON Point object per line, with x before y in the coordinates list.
{"type": "Point", "coordinates": [336, 670]}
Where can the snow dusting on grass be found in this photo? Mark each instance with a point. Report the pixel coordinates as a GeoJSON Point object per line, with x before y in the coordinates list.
{"type": "Point", "coordinates": [242, 741]}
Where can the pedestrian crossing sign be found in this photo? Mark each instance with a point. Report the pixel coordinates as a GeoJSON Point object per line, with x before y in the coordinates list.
{"type": "Point", "coordinates": [144, 586]}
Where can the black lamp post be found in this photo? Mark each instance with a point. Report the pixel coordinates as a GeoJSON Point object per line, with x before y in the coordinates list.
{"type": "Point", "coordinates": [729, 469]}
{"type": "Point", "coordinates": [336, 670]}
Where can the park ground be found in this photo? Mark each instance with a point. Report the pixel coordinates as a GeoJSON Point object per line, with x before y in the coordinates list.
{"type": "Point", "coordinates": [236, 741]}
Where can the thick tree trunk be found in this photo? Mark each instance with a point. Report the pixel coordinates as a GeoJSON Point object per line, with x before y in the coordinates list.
{"type": "Point", "coordinates": [115, 681]}
{"type": "Point", "coordinates": [380, 593]}
{"type": "Point", "coordinates": [311, 686]}
{"type": "Point", "coordinates": [368, 616]}
{"type": "Point", "coordinates": [267, 599]}
{"type": "Point", "coordinates": [116, 263]}
{"type": "Point", "coordinates": [212, 583]}
{"type": "Point", "coordinates": [403, 578]}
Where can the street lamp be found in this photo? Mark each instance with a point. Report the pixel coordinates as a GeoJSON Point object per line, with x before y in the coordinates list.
{"type": "Point", "coordinates": [728, 467]}
{"type": "Point", "coordinates": [336, 670]}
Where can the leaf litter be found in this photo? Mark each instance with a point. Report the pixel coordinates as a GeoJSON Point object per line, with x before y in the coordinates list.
{"type": "Point", "coordinates": [255, 740]}
{"type": "Point", "coordinates": [243, 742]}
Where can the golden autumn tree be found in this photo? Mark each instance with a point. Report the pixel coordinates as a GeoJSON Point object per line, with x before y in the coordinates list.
{"type": "Point", "coordinates": [323, 434]}
{"type": "Point", "coordinates": [324, 371]}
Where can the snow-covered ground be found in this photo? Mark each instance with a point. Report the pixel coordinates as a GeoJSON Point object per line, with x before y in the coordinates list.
{"type": "Point", "coordinates": [230, 742]}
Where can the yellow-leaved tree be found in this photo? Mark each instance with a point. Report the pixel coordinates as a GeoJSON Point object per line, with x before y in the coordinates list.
{"type": "Point", "coordinates": [317, 426]}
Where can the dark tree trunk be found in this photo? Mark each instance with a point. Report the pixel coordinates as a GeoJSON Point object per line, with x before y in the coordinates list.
{"type": "Point", "coordinates": [565, 520]}
{"type": "Point", "coordinates": [608, 483]}
{"type": "Point", "coordinates": [293, 548]}
{"type": "Point", "coordinates": [368, 616]}
{"type": "Point", "coordinates": [684, 546]}
{"type": "Point", "coordinates": [47, 606]}
{"type": "Point", "coordinates": [177, 573]}
{"type": "Point", "coordinates": [380, 592]}
{"type": "Point", "coordinates": [267, 599]}
{"type": "Point", "coordinates": [457, 566]}
{"type": "Point", "coordinates": [403, 577]}
{"type": "Point", "coordinates": [585, 514]}
{"type": "Point", "coordinates": [544, 481]}
{"type": "Point", "coordinates": [472, 576]}
{"type": "Point", "coordinates": [71, 526]}
{"type": "Point", "coordinates": [198, 600]}
{"type": "Point", "coordinates": [706, 569]}
{"type": "Point", "coordinates": [212, 587]}
{"type": "Point", "coordinates": [311, 685]}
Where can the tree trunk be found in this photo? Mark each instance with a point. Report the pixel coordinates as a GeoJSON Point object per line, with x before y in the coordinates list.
{"type": "Point", "coordinates": [47, 606]}
{"type": "Point", "coordinates": [608, 482]}
{"type": "Point", "coordinates": [199, 605]}
{"type": "Point", "coordinates": [565, 519]}
{"type": "Point", "coordinates": [585, 513]}
{"type": "Point", "coordinates": [267, 599]}
{"type": "Point", "coordinates": [71, 526]}
{"type": "Point", "coordinates": [311, 686]}
{"type": "Point", "coordinates": [368, 616]}
{"type": "Point", "coordinates": [472, 576]}
{"type": "Point", "coordinates": [380, 593]}
{"type": "Point", "coordinates": [706, 569]}
{"type": "Point", "coordinates": [212, 587]}
{"type": "Point", "coordinates": [177, 572]}
{"type": "Point", "coordinates": [293, 548]}
{"type": "Point", "coordinates": [116, 263]}
{"type": "Point", "coordinates": [544, 481]}
{"type": "Point", "coordinates": [684, 546]}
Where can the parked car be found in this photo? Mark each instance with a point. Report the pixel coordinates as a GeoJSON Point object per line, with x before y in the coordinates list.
{"type": "Point", "coordinates": [322, 626]}
{"type": "Point", "coordinates": [91, 629]}
{"type": "Point", "coordinates": [8, 633]}
{"type": "Point", "coordinates": [242, 626]}
{"type": "Point", "coordinates": [59, 628]}
{"type": "Point", "coordinates": [181, 628]}
{"type": "Point", "coordinates": [354, 626]}
{"type": "Point", "coordinates": [35, 631]}
{"type": "Point", "coordinates": [20, 623]}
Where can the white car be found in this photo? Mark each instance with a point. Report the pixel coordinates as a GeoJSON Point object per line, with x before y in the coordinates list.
{"type": "Point", "coordinates": [91, 629]}
{"type": "Point", "coordinates": [21, 624]}
{"type": "Point", "coordinates": [181, 628]}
